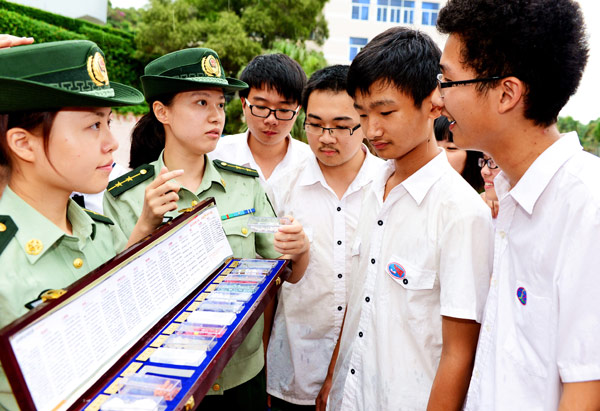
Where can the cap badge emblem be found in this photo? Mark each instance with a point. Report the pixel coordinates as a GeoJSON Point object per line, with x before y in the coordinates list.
{"type": "Point", "coordinates": [211, 66]}
{"type": "Point", "coordinates": [97, 70]}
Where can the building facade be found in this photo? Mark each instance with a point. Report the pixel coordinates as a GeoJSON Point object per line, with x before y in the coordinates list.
{"type": "Point", "coordinates": [353, 23]}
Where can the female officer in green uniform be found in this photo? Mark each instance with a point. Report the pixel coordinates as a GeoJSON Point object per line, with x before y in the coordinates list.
{"type": "Point", "coordinates": [54, 139]}
{"type": "Point", "coordinates": [185, 90]}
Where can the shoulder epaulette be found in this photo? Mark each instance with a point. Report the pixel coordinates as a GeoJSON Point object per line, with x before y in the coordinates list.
{"type": "Point", "coordinates": [121, 184]}
{"type": "Point", "coordinates": [8, 229]}
{"type": "Point", "coordinates": [98, 217]}
{"type": "Point", "coordinates": [235, 168]}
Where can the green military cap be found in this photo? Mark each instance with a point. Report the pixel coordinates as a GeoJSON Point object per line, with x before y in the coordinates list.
{"type": "Point", "coordinates": [186, 70]}
{"type": "Point", "coordinates": [59, 74]}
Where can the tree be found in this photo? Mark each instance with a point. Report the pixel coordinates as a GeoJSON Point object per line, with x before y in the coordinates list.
{"type": "Point", "coordinates": [123, 19]}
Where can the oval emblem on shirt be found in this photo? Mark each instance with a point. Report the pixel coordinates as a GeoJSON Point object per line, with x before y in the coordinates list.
{"type": "Point", "coordinates": [396, 270]}
{"type": "Point", "coordinates": [522, 295]}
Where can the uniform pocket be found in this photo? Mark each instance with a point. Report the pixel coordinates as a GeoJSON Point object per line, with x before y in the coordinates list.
{"type": "Point", "coordinates": [410, 276]}
{"type": "Point", "coordinates": [240, 238]}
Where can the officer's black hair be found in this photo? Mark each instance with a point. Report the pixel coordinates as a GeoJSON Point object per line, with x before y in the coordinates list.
{"type": "Point", "coordinates": [541, 42]}
{"type": "Point", "coordinates": [471, 171]}
{"type": "Point", "coordinates": [36, 122]}
{"type": "Point", "coordinates": [401, 57]}
{"type": "Point", "coordinates": [332, 78]}
{"type": "Point", "coordinates": [148, 135]}
{"type": "Point", "coordinates": [277, 72]}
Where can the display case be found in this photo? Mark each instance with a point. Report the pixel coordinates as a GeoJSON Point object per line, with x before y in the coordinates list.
{"type": "Point", "coordinates": [150, 329]}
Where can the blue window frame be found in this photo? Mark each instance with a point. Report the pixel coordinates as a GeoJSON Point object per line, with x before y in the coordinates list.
{"type": "Point", "coordinates": [360, 9]}
{"type": "Point", "coordinates": [430, 13]}
{"type": "Point", "coordinates": [356, 44]}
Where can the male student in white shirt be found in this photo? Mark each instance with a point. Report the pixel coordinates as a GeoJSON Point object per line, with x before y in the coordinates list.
{"type": "Point", "coordinates": [324, 194]}
{"type": "Point", "coordinates": [271, 104]}
{"type": "Point", "coordinates": [515, 65]}
{"type": "Point", "coordinates": [422, 250]}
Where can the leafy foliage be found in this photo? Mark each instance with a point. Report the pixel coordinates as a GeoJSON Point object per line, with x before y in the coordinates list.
{"type": "Point", "coordinates": [123, 19]}
{"type": "Point", "coordinates": [589, 134]}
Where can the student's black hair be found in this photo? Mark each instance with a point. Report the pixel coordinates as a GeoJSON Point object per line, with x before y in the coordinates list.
{"type": "Point", "coordinates": [402, 57]}
{"type": "Point", "coordinates": [471, 171]}
{"type": "Point", "coordinates": [148, 136]}
{"type": "Point", "coordinates": [275, 71]}
{"type": "Point", "coordinates": [541, 42]}
{"type": "Point", "coordinates": [332, 78]}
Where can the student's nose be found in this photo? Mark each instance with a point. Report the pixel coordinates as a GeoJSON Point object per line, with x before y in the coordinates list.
{"type": "Point", "coordinates": [327, 138]}
{"type": "Point", "coordinates": [271, 119]}
{"type": "Point", "coordinates": [372, 129]}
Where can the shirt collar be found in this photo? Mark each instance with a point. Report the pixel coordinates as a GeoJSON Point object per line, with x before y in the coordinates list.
{"type": "Point", "coordinates": [34, 226]}
{"type": "Point", "coordinates": [421, 181]}
{"type": "Point", "coordinates": [211, 174]}
{"type": "Point", "coordinates": [537, 177]}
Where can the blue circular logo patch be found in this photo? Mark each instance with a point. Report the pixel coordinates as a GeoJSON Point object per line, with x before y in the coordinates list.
{"type": "Point", "coordinates": [522, 295]}
{"type": "Point", "coordinates": [396, 270]}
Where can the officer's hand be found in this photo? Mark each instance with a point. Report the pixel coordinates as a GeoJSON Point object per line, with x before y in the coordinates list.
{"type": "Point", "coordinates": [160, 198]}
{"type": "Point", "coordinates": [6, 40]}
{"type": "Point", "coordinates": [291, 239]}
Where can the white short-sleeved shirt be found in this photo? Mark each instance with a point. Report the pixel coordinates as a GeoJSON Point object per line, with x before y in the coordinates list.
{"type": "Point", "coordinates": [542, 320]}
{"type": "Point", "coordinates": [235, 149]}
{"type": "Point", "coordinates": [421, 254]}
{"type": "Point", "coordinates": [310, 312]}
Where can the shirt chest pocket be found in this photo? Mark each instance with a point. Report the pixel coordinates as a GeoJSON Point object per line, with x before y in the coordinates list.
{"type": "Point", "coordinates": [240, 238]}
{"type": "Point", "coordinates": [410, 276]}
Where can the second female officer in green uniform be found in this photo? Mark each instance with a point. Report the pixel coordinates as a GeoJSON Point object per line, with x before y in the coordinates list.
{"type": "Point", "coordinates": [185, 90]}
{"type": "Point", "coordinates": [55, 112]}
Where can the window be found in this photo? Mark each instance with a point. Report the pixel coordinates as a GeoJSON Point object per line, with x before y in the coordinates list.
{"type": "Point", "coordinates": [356, 44]}
{"type": "Point", "coordinates": [360, 9]}
{"type": "Point", "coordinates": [430, 13]}
{"type": "Point", "coordinates": [395, 11]}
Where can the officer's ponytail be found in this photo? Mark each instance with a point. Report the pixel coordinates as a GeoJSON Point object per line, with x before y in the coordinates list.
{"type": "Point", "coordinates": [148, 136]}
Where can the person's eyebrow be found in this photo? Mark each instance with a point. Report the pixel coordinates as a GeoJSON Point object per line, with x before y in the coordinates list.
{"type": "Point", "coordinates": [313, 116]}
{"type": "Point", "coordinates": [379, 103]}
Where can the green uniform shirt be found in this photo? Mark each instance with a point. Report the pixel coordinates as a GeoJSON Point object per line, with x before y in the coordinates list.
{"type": "Point", "coordinates": [39, 256]}
{"type": "Point", "coordinates": [233, 191]}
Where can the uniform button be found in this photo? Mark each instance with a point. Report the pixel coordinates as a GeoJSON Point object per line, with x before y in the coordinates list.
{"type": "Point", "coordinates": [2, 228]}
{"type": "Point", "coordinates": [340, 276]}
{"type": "Point", "coordinates": [142, 171]}
{"type": "Point", "coordinates": [339, 242]}
{"type": "Point", "coordinates": [488, 328]}
{"type": "Point", "coordinates": [223, 182]}
{"type": "Point", "coordinates": [360, 334]}
{"type": "Point", "coordinates": [502, 233]}
{"type": "Point", "coordinates": [194, 202]}
{"type": "Point", "coordinates": [372, 261]}
{"type": "Point", "coordinates": [352, 371]}
{"type": "Point", "coordinates": [339, 208]}
{"type": "Point", "coordinates": [380, 222]}
{"type": "Point", "coordinates": [340, 308]}
{"type": "Point", "coordinates": [244, 231]}
{"type": "Point", "coordinates": [405, 281]}
{"type": "Point", "coordinates": [78, 263]}
{"type": "Point", "coordinates": [367, 299]}
{"type": "Point", "coordinates": [216, 387]}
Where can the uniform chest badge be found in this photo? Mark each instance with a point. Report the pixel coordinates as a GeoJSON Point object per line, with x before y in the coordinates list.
{"type": "Point", "coordinates": [396, 271]}
{"type": "Point", "coordinates": [522, 295]}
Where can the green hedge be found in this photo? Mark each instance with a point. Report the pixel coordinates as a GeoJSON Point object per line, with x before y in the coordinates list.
{"type": "Point", "coordinates": [58, 20]}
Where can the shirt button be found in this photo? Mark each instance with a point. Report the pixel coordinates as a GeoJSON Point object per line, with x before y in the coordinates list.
{"type": "Point", "coordinates": [244, 231]}
{"type": "Point", "coordinates": [380, 222]}
{"type": "Point", "coordinates": [340, 308]}
{"type": "Point", "coordinates": [339, 208]}
{"type": "Point", "coordinates": [339, 242]}
{"type": "Point", "coordinates": [372, 261]}
{"type": "Point", "coordinates": [488, 328]}
{"type": "Point", "coordinates": [502, 233]}
{"type": "Point", "coordinates": [78, 263]}
{"type": "Point", "coordinates": [2, 227]}
{"type": "Point", "coordinates": [216, 387]}
{"type": "Point", "coordinates": [194, 202]}
{"type": "Point", "coordinates": [352, 371]}
{"type": "Point", "coordinates": [340, 275]}
{"type": "Point", "coordinates": [367, 299]}
{"type": "Point", "coordinates": [360, 334]}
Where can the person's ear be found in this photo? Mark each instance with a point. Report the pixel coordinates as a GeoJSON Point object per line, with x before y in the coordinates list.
{"type": "Point", "coordinates": [244, 102]}
{"type": "Point", "coordinates": [22, 143]}
{"type": "Point", "coordinates": [161, 112]}
{"type": "Point", "coordinates": [512, 92]}
{"type": "Point", "coordinates": [435, 102]}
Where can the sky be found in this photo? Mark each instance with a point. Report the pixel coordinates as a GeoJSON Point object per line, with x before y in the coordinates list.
{"type": "Point", "coordinates": [583, 106]}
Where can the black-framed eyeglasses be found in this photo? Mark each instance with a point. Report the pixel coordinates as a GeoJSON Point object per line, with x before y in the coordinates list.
{"type": "Point", "coordinates": [280, 113]}
{"type": "Point", "coordinates": [489, 162]}
{"type": "Point", "coordinates": [338, 132]}
{"type": "Point", "coordinates": [448, 84]}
